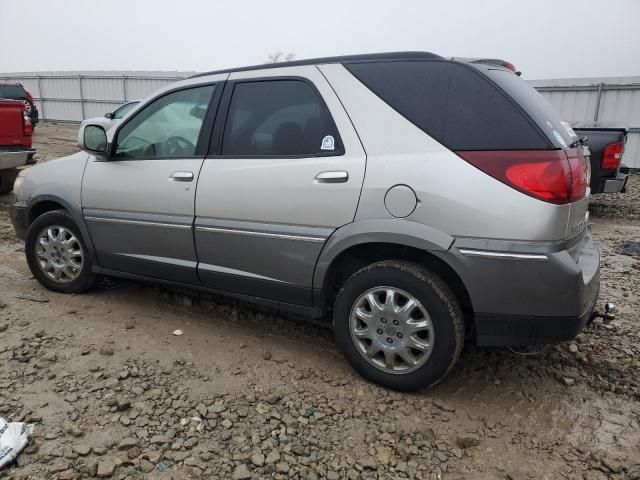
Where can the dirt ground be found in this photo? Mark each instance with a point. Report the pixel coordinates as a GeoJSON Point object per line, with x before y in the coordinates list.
{"type": "Point", "coordinates": [247, 393]}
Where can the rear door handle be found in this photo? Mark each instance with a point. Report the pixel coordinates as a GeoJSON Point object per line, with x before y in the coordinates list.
{"type": "Point", "coordinates": [339, 176]}
{"type": "Point", "coordinates": [181, 177]}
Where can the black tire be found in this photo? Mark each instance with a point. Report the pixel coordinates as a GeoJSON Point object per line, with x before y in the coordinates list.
{"type": "Point", "coordinates": [433, 293]}
{"type": "Point", "coordinates": [85, 279]}
{"type": "Point", "coordinates": [6, 182]}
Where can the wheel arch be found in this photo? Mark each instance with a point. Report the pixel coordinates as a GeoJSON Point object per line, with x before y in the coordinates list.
{"type": "Point", "coordinates": [362, 243]}
{"type": "Point", "coordinates": [45, 203]}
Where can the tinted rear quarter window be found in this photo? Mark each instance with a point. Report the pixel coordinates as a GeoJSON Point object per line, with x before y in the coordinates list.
{"type": "Point", "coordinates": [540, 110]}
{"type": "Point", "coordinates": [453, 103]}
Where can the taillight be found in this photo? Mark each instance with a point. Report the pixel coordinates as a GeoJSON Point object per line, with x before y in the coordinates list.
{"type": "Point", "coordinates": [555, 176]}
{"type": "Point", "coordinates": [579, 173]}
{"type": "Point", "coordinates": [27, 126]}
{"type": "Point", "coordinates": [612, 155]}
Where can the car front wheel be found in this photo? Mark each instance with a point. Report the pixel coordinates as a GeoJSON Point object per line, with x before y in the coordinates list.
{"type": "Point", "coordinates": [399, 325]}
{"type": "Point", "coordinates": [56, 253]}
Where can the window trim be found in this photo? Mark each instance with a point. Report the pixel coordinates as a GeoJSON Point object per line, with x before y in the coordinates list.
{"type": "Point", "coordinates": [215, 145]}
{"type": "Point", "coordinates": [205, 131]}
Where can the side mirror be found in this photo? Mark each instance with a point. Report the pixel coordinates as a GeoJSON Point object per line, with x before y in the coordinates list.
{"type": "Point", "coordinates": [108, 115]}
{"type": "Point", "coordinates": [93, 139]}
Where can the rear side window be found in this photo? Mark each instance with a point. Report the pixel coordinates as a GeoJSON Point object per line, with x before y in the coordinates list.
{"type": "Point", "coordinates": [279, 118]}
{"type": "Point", "coordinates": [12, 91]}
{"type": "Point", "coordinates": [454, 104]}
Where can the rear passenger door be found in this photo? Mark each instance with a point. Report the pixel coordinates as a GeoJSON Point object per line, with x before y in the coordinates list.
{"type": "Point", "coordinates": [284, 171]}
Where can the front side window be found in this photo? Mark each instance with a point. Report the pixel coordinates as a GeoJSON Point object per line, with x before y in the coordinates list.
{"type": "Point", "coordinates": [278, 118]}
{"type": "Point", "coordinates": [123, 110]}
{"type": "Point", "coordinates": [167, 128]}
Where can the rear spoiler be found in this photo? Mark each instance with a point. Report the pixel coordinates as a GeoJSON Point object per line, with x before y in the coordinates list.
{"type": "Point", "coordinates": [489, 61]}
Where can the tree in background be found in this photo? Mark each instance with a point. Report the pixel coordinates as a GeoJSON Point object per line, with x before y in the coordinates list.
{"type": "Point", "coordinates": [280, 57]}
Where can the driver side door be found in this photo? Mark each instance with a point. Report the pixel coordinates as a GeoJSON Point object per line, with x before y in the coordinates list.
{"type": "Point", "coordinates": [139, 204]}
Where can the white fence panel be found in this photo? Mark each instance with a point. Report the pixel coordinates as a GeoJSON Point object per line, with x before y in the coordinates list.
{"type": "Point", "coordinates": [103, 88]}
{"type": "Point", "coordinates": [139, 88]}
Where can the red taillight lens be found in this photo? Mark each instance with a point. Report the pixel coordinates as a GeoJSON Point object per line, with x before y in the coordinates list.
{"type": "Point", "coordinates": [612, 155]}
{"type": "Point", "coordinates": [27, 126]}
{"type": "Point", "coordinates": [549, 175]}
{"type": "Point", "coordinates": [579, 173]}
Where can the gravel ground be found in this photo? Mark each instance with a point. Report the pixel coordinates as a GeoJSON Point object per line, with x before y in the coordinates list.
{"type": "Point", "coordinates": [246, 393]}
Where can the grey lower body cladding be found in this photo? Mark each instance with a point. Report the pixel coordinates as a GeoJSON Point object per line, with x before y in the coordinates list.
{"type": "Point", "coordinates": [526, 294]}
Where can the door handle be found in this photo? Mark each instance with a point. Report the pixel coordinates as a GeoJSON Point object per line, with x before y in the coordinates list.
{"type": "Point", "coordinates": [332, 177]}
{"type": "Point", "coordinates": [181, 177]}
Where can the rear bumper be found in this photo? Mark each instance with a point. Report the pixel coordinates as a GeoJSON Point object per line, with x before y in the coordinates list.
{"type": "Point", "coordinates": [16, 158]}
{"type": "Point", "coordinates": [521, 330]}
{"type": "Point", "coordinates": [528, 293]}
{"type": "Point", "coordinates": [19, 219]}
{"type": "Point", "coordinates": [614, 185]}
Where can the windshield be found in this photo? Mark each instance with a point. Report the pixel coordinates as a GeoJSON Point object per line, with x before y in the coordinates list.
{"type": "Point", "coordinates": [538, 108]}
{"type": "Point", "coordinates": [123, 110]}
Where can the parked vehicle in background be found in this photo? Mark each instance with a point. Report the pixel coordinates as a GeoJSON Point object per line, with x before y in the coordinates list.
{"type": "Point", "coordinates": [15, 91]}
{"type": "Point", "coordinates": [469, 218]}
{"type": "Point", "coordinates": [112, 118]}
{"type": "Point", "coordinates": [606, 141]}
{"type": "Point", "coordinates": [15, 141]}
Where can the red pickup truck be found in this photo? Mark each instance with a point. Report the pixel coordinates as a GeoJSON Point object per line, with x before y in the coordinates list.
{"type": "Point", "coordinates": [16, 132]}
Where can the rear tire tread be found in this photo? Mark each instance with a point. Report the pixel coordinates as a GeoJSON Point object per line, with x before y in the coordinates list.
{"type": "Point", "coordinates": [441, 289]}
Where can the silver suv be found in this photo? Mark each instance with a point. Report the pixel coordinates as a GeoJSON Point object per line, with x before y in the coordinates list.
{"type": "Point", "coordinates": [418, 200]}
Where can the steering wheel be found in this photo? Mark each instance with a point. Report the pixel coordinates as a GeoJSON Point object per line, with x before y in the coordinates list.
{"type": "Point", "coordinates": [176, 146]}
{"type": "Point", "coordinates": [143, 148]}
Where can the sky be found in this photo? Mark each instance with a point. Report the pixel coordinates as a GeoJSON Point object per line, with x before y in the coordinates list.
{"type": "Point", "coordinates": [543, 38]}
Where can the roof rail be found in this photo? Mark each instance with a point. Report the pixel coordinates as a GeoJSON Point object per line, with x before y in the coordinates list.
{"type": "Point", "coordinates": [366, 57]}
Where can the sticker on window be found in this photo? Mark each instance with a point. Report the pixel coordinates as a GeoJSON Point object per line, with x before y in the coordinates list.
{"type": "Point", "coordinates": [328, 143]}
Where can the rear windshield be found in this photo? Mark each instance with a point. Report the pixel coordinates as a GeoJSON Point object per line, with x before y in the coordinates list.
{"type": "Point", "coordinates": [453, 103]}
{"type": "Point", "coordinates": [12, 91]}
{"type": "Point", "coordinates": [536, 106]}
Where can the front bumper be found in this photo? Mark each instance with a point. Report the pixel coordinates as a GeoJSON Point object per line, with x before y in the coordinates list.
{"type": "Point", "coordinates": [614, 185]}
{"type": "Point", "coordinates": [534, 293]}
{"type": "Point", "coordinates": [19, 220]}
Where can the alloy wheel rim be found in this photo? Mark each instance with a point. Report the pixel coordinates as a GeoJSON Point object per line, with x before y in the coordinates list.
{"type": "Point", "coordinates": [391, 330]}
{"type": "Point", "coordinates": [59, 254]}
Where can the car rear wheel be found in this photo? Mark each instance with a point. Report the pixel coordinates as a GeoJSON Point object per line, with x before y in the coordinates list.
{"type": "Point", "coordinates": [56, 254]}
{"type": "Point", "coordinates": [399, 325]}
